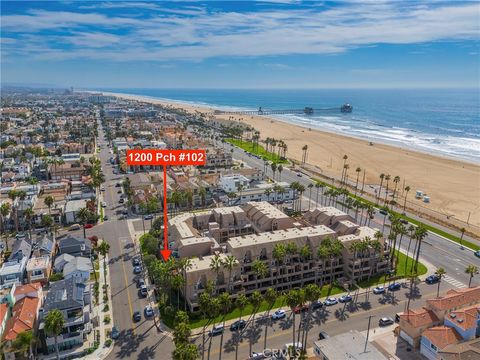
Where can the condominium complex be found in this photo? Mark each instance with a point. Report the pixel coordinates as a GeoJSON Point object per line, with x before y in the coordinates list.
{"type": "Point", "coordinates": [253, 231]}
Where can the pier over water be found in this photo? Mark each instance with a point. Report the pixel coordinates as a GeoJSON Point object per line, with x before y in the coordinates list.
{"type": "Point", "coordinates": [345, 108]}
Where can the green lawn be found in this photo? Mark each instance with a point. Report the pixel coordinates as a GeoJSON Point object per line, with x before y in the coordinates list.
{"type": "Point", "coordinates": [257, 150]}
{"type": "Point", "coordinates": [196, 320]}
{"type": "Point", "coordinates": [402, 271]}
{"type": "Point", "coordinates": [433, 229]}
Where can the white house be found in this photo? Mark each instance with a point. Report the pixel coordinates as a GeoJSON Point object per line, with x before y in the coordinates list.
{"type": "Point", "coordinates": [72, 207]}
{"type": "Point", "coordinates": [78, 268]}
{"type": "Point", "coordinates": [231, 183]}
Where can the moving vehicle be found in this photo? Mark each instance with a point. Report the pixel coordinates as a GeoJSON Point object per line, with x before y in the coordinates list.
{"type": "Point", "coordinates": [432, 279]}
{"type": "Point", "coordinates": [137, 316]}
{"type": "Point", "coordinates": [148, 311]}
{"type": "Point", "coordinates": [394, 286]}
{"type": "Point", "coordinates": [345, 298]}
{"type": "Point", "coordinates": [385, 321]}
{"type": "Point", "coordinates": [331, 301]}
{"type": "Point", "coordinates": [279, 314]}
{"type": "Point", "coordinates": [238, 325]}
{"type": "Point", "coordinates": [379, 290]}
{"type": "Point", "coordinates": [217, 330]}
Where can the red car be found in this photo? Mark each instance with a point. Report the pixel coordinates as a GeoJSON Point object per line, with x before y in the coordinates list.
{"type": "Point", "coordinates": [299, 309]}
{"type": "Point", "coordinates": [88, 226]}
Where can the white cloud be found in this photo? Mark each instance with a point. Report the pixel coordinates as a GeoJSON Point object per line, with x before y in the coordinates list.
{"type": "Point", "coordinates": [170, 35]}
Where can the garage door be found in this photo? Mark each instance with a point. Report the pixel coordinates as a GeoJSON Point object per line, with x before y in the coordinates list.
{"type": "Point", "coordinates": [406, 337]}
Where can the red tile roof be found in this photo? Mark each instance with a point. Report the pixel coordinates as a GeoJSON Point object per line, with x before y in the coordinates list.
{"type": "Point", "coordinates": [23, 319]}
{"type": "Point", "coordinates": [27, 289]}
{"type": "Point", "coordinates": [467, 316]}
{"type": "Point", "coordinates": [3, 311]}
{"type": "Point", "coordinates": [441, 336]}
{"type": "Point", "coordinates": [420, 317]}
{"type": "Point", "coordinates": [455, 299]}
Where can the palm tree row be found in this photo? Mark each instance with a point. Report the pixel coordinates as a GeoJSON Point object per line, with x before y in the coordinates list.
{"type": "Point", "coordinates": [300, 189]}
{"type": "Point", "coordinates": [277, 147]}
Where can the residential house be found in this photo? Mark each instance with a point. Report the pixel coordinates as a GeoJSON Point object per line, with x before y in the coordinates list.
{"type": "Point", "coordinates": [78, 268]}
{"type": "Point", "coordinates": [13, 272]}
{"type": "Point", "coordinates": [38, 269]}
{"type": "Point", "coordinates": [73, 299]}
{"type": "Point", "coordinates": [74, 246]}
{"type": "Point", "coordinates": [468, 350]}
{"type": "Point", "coordinates": [72, 208]}
{"type": "Point", "coordinates": [437, 338]}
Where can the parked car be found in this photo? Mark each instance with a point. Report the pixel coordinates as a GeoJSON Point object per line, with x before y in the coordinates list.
{"type": "Point", "coordinates": [317, 304]}
{"type": "Point", "coordinates": [74, 227]}
{"type": "Point", "coordinates": [385, 321]}
{"type": "Point", "coordinates": [114, 334]}
{"type": "Point", "coordinates": [403, 221]}
{"type": "Point", "coordinates": [136, 261]}
{"type": "Point", "coordinates": [140, 282]}
{"type": "Point", "coordinates": [102, 188]}
{"type": "Point", "coordinates": [122, 217]}
{"type": "Point", "coordinates": [345, 298]}
{"type": "Point", "coordinates": [143, 291]}
{"type": "Point", "coordinates": [88, 226]}
{"type": "Point", "coordinates": [300, 308]}
{"type": "Point", "coordinates": [258, 356]}
{"type": "Point", "coordinates": [105, 217]}
{"type": "Point", "coordinates": [137, 316]}
{"type": "Point", "coordinates": [121, 201]}
{"type": "Point", "coordinates": [379, 290]}
{"type": "Point", "coordinates": [394, 286]}
{"type": "Point", "coordinates": [148, 217]}
{"type": "Point", "coordinates": [238, 325]}
{"type": "Point", "coordinates": [217, 330]}
{"type": "Point", "coordinates": [331, 301]}
{"type": "Point", "coordinates": [323, 335]}
{"type": "Point", "coordinates": [279, 314]}
{"type": "Point", "coordinates": [383, 212]}
{"type": "Point", "coordinates": [148, 311]}
{"type": "Point", "coordinates": [477, 253]}
{"type": "Point", "coordinates": [118, 185]}
{"type": "Point", "coordinates": [432, 279]}
{"type": "Point", "coordinates": [137, 270]}
{"type": "Point", "coordinates": [104, 204]}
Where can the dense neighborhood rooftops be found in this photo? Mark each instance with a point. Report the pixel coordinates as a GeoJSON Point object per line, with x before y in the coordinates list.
{"type": "Point", "coordinates": [64, 294]}
{"type": "Point", "coordinates": [23, 317]}
{"type": "Point", "coordinates": [455, 298]}
{"type": "Point", "coordinates": [441, 336]}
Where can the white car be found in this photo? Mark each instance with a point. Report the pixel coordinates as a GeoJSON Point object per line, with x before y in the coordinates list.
{"type": "Point", "coordinates": [379, 290]}
{"type": "Point", "coordinates": [279, 314]}
{"type": "Point", "coordinates": [104, 204]}
{"type": "Point", "coordinates": [331, 301]}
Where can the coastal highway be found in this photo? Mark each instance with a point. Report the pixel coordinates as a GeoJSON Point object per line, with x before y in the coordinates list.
{"type": "Point", "coordinates": [437, 251]}
{"type": "Point", "coordinates": [333, 320]}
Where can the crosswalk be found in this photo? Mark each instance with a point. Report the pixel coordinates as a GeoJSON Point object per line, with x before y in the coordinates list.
{"type": "Point", "coordinates": [454, 282]}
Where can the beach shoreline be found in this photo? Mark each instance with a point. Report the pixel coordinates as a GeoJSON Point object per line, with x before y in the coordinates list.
{"type": "Point", "coordinates": [436, 175]}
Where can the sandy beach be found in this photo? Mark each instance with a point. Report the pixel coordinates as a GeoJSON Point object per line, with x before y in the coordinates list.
{"type": "Point", "coordinates": [452, 185]}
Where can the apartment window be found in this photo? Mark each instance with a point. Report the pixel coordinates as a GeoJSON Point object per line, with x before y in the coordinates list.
{"type": "Point", "coordinates": [37, 272]}
{"type": "Point", "coordinates": [434, 348]}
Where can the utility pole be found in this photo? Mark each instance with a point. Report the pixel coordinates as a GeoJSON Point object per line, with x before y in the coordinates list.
{"type": "Point", "coordinates": [368, 332]}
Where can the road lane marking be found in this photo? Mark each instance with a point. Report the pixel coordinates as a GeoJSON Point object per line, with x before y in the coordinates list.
{"type": "Point", "coordinates": [284, 332]}
{"type": "Point", "coordinates": [128, 293]}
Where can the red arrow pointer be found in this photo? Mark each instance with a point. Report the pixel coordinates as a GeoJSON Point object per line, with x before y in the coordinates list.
{"type": "Point", "coordinates": [165, 251]}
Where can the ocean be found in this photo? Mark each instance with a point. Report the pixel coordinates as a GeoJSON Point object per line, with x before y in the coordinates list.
{"type": "Point", "coordinates": [441, 122]}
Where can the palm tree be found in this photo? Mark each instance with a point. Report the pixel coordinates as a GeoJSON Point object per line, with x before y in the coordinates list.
{"type": "Point", "coordinates": [312, 293]}
{"type": "Point", "coordinates": [280, 169]}
{"type": "Point", "coordinates": [441, 273]}
{"type": "Point", "coordinates": [241, 303]}
{"type": "Point", "coordinates": [229, 263]}
{"type": "Point", "coordinates": [293, 298]}
{"type": "Point", "coordinates": [318, 185]}
{"type": "Point", "coordinates": [357, 170]}
{"type": "Point", "coordinates": [420, 234]}
{"type": "Point", "coordinates": [471, 270]}
{"type": "Point", "coordinates": [23, 343]}
{"type": "Point", "coordinates": [29, 214]}
{"type": "Point", "coordinates": [260, 270]}
{"type": "Point", "coordinates": [310, 186]}
{"type": "Point", "coordinates": [411, 235]}
{"type": "Point", "coordinates": [184, 265]}
{"type": "Point", "coordinates": [301, 190]}
{"type": "Point", "coordinates": [304, 156]}
{"type": "Point", "coordinates": [49, 200]}
{"type": "Point", "coordinates": [103, 249]}
{"type": "Point", "coordinates": [270, 296]}
{"type": "Point", "coordinates": [255, 300]}
{"type": "Point", "coordinates": [54, 323]}
{"type": "Point", "coordinates": [336, 248]}
{"type": "Point", "coordinates": [407, 189]}
{"type": "Point", "coordinates": [274, 168]}
{"type": "Point", "coordinates": [387, 179]}
{"type": "Point", "coordinates": [12, 195]}
{"type": "Point", "coordinates": [382, 176]}
{"type": "Point", "coordinates": [203, 194]}
{"type": "Point", "coordinates": [323, 254]}
{"type": "Point", "coordinates": [267, 192]}
{"type": "Point", "coordinates": [462, 230]}
{"type": "Point", "coordinates": [84, 215]}
{"type": "Point", "coordinates": [215, 264]}
{"type": "Point", "coordinates": [225, 301]}
{"type": "Point", "coordinates": [396, 180]}
{"type": "Point", "coordinates": [4, 212]}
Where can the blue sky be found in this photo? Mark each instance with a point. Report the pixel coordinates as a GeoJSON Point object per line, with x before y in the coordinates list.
{"type": "Point", "coordinates": [231, 44]}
